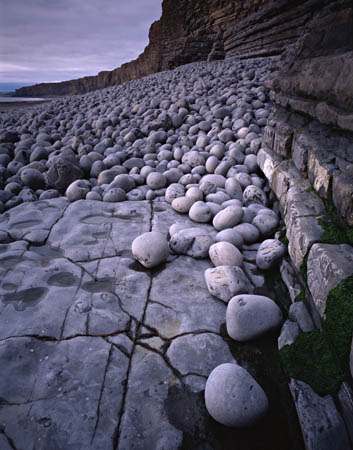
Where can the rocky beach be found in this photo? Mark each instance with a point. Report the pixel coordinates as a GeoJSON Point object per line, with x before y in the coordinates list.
{"type": "Point", "coordinates": [176, 256]}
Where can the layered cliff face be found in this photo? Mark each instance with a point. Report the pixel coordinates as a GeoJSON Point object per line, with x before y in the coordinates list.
{"type": "Point", "coordinates": [197, 30]}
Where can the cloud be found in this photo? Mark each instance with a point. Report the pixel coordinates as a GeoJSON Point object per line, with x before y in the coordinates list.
{"type": "Point", "coordinates": [44, 40]}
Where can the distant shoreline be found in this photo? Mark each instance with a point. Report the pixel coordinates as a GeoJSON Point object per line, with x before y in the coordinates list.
{"type": "Point", "coordinates": [6, 106]}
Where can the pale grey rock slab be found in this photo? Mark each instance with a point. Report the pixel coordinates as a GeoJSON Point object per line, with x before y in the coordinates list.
{"type": "Point", "coordinates": [35, 304]}
{"type": "Point", "coordinates": [233, 397]}
{"type": "Point", "coordinates": [290, 279]}
{"type": "Point", "coordinates": [123, 342]}
{"type": "Point", "coordinates": [121, 278]}
{"type": "Point", "coordinates": [268, 161]}
{"type": "Point", "coordinates": [40, 216]}
{"type": "Point", "coordinates": [4, 443]}
{"type": "Point", "coordinates": [321, 424]}
{"type": "Point", "coordinates": [345, 396]}
{"type": "Point", "coordinates": [70, 397]}
{"type": "Point", "coordinates": [172, 310]}
{"type": "Point", "coordinates": [144, 424]}
{"type": "Point", "coordinates": [224, 282]}
{"type": "Point", "coordinates": [289, 332]}
{"type": "Point", "coordinates": [303, 233]}
{"type": "Point", "coordinates": [299, 313]}
{"type": "Point", "coordinates": [302, 204]}
{"type": "Point", "coordinates": [327, 266]}
{"type": "Point", "coordinates": [251, 316]}
{"type": "Point", "coordinates": [91, 229]}
{"type": "Point", "coordinates": [198, 353]}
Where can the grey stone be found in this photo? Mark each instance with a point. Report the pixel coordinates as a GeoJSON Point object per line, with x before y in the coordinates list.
{"type": "Point", "coordinates": [173, 191]}
{"type": "Point", "coordinates": [182, 204]}
{"type": "Point", "coordinates": [298, 312]}
{"type": "Point", "coordinates": [228, 218]}
{"type": "Point", "coordinates": [62, 173]}
{"type": "Point", "coordinates": [289, 332]}
{"type": "Point", "coordinates": [302, 234]}
{"type": "Point", "coordinates": [225, 254]}
{"type": "Point", "coordinates": [156, 180]}
{"type": "Point", "coordinates": [32, 178]}
{"type": "Point", "coordinates": [290, 278]}
{"type": "Point", "coordinates": [194, 242]}
{"type": "Point", "coordinates": [269, 253]}
{"type": "Point", "coordinates": [224, 282]}
{"type": "Point", "coordinates": [150, 249]}
{"type": "Point", "coordinates": [249, 232]}
{"type": "Point", "coordinates": [327, 265]}
{"type": "Point", "coordinates": [230, 235]}
{"type": "Point", "coordinates": [321, 424]}
{"type": "Point", "coordinates": [198, 354]}
{"type": "Point", "coordinates": [200, 212]}
{"type": "Point", "coordinates": [234, 189]}
{"type": "Point", "coordinates": [266, 224]}
{"type": "Point", "coordinates": [233, 398]}
{"type": "Point", "coordinates": [77, 190]}
{"type": "Point", "coordinates": [254, 274]}
{"type": "Point", "coordinates": [253, 194]}
{"type": "Point", "coordinates": [251, 316]}
{"type": "Point", "coordinates": [113, 195]}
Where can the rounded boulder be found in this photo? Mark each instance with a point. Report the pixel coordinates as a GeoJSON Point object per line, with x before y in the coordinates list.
{"type": "Point", "coordinates": [233, 398]}
{"type": "Point", "coordinates": [250, 316]}
{"type": "Point", "coordinates": [150, 249]}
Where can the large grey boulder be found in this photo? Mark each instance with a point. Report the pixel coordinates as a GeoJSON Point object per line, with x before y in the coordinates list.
{"type": "Point", "coordinates": [150, 249]}
{"type": "Point", "coordinates": [233, 398]}
{"type": "Point", "coordinates": [62, 173]}
{"type": "Point", "coordinates": [225, 254]}
{"type": "Point", "coordinates": [193, 242]}
{"type": "Point", "coordinates": [250, 316]}
{"type": "Point", "coordinates": [269, 253]}
{"type": "Point", "coordinates": [226, 281]}
{"type": "Point", "coordinates": [321, 424]}
{"type": "Point", "coordinates": [228, 217]}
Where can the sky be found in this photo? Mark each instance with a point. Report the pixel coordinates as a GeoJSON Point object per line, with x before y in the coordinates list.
{"type": "Point", "coordinates": [57, 40]}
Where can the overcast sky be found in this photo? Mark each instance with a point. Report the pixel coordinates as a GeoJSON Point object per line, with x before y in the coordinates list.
{"type": "Point", "coordinates": [56, 40]}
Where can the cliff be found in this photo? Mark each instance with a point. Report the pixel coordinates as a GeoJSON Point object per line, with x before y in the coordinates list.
{"type": "Point", "coordinates": [196, 30]}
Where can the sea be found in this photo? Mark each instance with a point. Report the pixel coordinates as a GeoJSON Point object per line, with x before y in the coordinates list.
{"type": "Point", "coordinates": [7, 90]}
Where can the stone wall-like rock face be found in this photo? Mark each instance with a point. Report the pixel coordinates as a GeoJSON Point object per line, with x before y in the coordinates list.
{"type": "Point", "coordinates": [197, 30]}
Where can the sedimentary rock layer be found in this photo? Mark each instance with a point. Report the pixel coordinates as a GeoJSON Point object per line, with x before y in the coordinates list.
{"type": "Point", "coordinates": [199, 30]}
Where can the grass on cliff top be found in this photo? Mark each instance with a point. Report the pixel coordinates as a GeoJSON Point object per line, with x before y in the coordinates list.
{"type": "Point", "coordinates": [321, 358]}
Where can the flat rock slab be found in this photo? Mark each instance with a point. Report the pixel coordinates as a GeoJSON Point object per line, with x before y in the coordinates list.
{"type": "Point", "coordinates": [94, 347]}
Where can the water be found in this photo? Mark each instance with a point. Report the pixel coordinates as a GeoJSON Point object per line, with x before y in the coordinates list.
{"type": "Point", "coordinates": [19, 99]}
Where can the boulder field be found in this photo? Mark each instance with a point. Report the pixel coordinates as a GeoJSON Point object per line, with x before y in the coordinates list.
{"type": "Point", "coordinates": [136, 232]}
